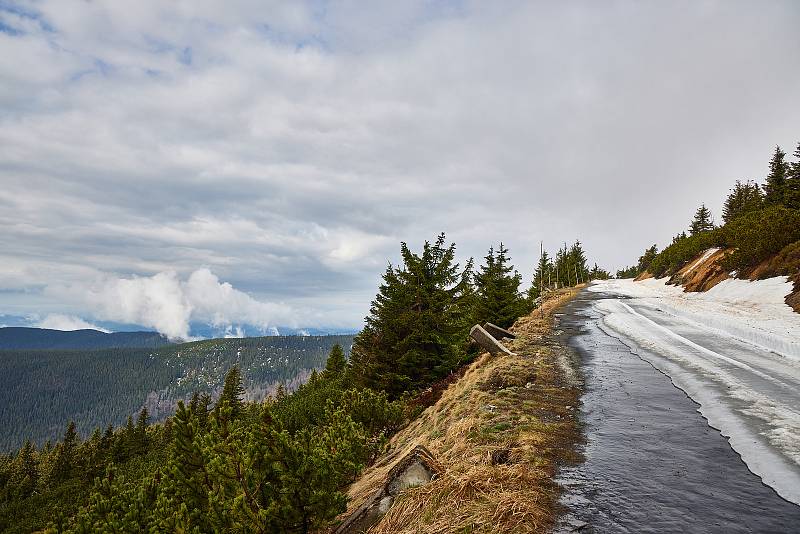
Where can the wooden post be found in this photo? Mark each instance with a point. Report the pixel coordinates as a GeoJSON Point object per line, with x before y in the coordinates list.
{"type": "Point", "coordinates": [541, 278]}
{"type": "Point", "coordinates": [557, 278]}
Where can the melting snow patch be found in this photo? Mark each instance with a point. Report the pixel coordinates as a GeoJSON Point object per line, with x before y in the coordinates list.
{"type": "Point", "coordinates": [735, 350]}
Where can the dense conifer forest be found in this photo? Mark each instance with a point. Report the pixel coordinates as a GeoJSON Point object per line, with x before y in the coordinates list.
{"type": "Point", "coordinates": [42, 389]}
{"type": "Point", "coordinates": [760, 222]}
{"type": "Point", "coordinates": [244, 462]}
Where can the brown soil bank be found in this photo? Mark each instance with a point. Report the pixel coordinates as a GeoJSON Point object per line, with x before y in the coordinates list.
{"type": "Point", "coordinates": [706, 270]}
{"type": "Point", "coordinates": [498, 435]}
{"type": "Point", "coordinates": [703, 272]}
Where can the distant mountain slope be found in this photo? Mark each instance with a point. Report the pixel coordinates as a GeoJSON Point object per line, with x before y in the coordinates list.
{"type": "Point", "coordinates": [24, 338]}
{"type": "Point", "coordinates": [40, 390]}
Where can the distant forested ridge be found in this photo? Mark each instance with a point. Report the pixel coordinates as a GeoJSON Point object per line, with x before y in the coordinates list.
{"type": "Point", "coordinates": [40, 389]}
{"type": "Point", "coordinates": [18, 337]}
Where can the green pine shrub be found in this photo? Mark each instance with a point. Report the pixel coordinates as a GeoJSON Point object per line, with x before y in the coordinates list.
{"type": "Point", "coordinates": [683, 249]}
{"type": "Point", "coordinates": [758, 235]}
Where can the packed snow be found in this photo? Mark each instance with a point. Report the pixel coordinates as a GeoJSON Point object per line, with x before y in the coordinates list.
{"type": "Point", "coordinates": [735, 350]}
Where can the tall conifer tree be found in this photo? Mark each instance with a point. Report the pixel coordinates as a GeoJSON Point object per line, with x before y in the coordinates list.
{"type": "Point", "coordinates": [232, 392]}
{"type": "Point", "coordinates": [646, 258]}
{"type": "Point", "coordinates": [497, 298]}
{"type": "Point", "coordinates": [793, 182]}
{"type": "Point", "coordinates": [775, 187]}
{"type": "Point", "coordinates": [415, 331]}
{"type": "Point", "coordinates": [337, 362]}
{"type": "Point", "coordinates": [142, 421]}
{"type": "Point", "coordinates": [744, 197]}
{"type": "Point", "coordinates": [577, 261]}
{"type": "Point", "coordinates": [703, 221]}
{"type": "Point", "coordinates": [24, 471]}
{"type": "Point", "coordinates": [543, 277]}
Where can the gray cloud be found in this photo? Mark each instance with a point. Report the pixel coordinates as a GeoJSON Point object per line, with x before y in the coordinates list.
{"type": "Point", "coordinates": [288, 147]}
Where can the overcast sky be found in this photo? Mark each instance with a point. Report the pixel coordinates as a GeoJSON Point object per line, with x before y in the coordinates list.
{"type": "Point", "coordinates": [252, 162]}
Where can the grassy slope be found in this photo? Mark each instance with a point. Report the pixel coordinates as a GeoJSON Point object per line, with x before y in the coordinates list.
{"type": "Point", "coordinates": [490, 412]}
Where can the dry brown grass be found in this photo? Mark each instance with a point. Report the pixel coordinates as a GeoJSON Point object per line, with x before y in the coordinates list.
{"type": "Point", "coordinates": [499, 441]}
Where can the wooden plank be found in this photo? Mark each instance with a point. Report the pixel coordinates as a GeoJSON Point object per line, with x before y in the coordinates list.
{"type": "Point", "coordinates": [485, 340]}
{"type": "Point", "coordinates": [497, 332]}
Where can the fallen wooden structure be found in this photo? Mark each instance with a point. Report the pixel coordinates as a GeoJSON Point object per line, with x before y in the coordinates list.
{"type": "Point", "coordinates": [497, 332]}
{"type": "Point", "coordinates": [488, 341]}
{"type": "Point", "coordinates": [416, 468]}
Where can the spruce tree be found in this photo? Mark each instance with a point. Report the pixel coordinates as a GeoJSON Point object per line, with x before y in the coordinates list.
{"type": "Point", "coordinates": [125, 441]}
{"type": "Point", "coordinates": [194, 403]}
{"type": "Point", "coordinates": [130, 434]}
{"type": "Point", "coordinates": [91, 456]}
{"type": "Point", "coordinates": [416, 330]}
{"type": "Point", "coordinates": [6, 462]}
{"type": "Point", "coordinates": [498, 299]}
{"type": "Point", "coordinates": [598, 274]}
{"type": "Point", "coordinates": [775, 187]}
{"type": "Point", "coordinates": [646, 258]}
{"type": "Point", "coordinates": [188, 478]}
{"type": "Point", "coordinates": [202, 410]}
{"type": "Point", "coordinates": [543, 277]}
{"type": "Point", "coordinates": [232, 392]}
{"type": "Point", "coordinates": [577, 260]}
{"type": "Point", "coordinates": [703, 221]}
{"type": "Point", "coordinates": [107, 441]}
{"type": "Point", "coordinates": [743, 198]}
{"type": "Point", "coordinates": [562, 268]}
{"type": "Point", "coordinates": [24, 471]}
{"type": "Point", "coordinates": [167, 433]}
{"type": "Point", "coordinates": [142, 421]}
{"type": "Point", "coordinates": [793, 182]}
{"type": "Point", "coordinates": [65, 455]}
{"type": "Point", "coordinates": [337, 363]}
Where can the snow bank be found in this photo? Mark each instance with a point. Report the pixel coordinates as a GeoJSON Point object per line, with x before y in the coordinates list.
{"type": "Point", "coordinates": [734, 349]}
{"type": "Point", "coordinates": [769, 291]}
{"type": "Point", "coordinates": [750, 311]}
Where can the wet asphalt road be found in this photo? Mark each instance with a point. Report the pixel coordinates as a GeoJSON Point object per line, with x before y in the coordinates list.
{"type": "Point", "coordinates": [652, 462]}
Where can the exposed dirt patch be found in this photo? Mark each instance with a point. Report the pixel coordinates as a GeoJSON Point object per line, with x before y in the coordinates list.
{"type": "Point", "coordinates": [793, 298]}
{"type": "Point", "coordinates": [785, 263]}
{"type": "Point", "coordinates": [703, 272]}
{"type": "Point", "coordinates": [706, 270]}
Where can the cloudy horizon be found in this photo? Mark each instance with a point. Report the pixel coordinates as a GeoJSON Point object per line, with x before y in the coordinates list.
{"type": "Point", "coordinates": [258, 163]}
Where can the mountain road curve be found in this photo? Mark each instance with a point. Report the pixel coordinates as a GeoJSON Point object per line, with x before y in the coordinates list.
{"type": "Point", "coordinates": [691, 408]}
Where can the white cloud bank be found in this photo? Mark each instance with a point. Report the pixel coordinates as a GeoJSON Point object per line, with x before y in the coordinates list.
{"type": "Point", "coordinates": [290, 146]}
{"type": "Point", "coordinates": [58, 321]}
{"type": "Point", "coordinates": [168, 304]}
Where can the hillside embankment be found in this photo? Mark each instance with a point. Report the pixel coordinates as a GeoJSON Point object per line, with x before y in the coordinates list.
{"type": "Point", "coordinates": [707, 269]}
{"type": "Point", "coordinates": [497, 436]}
